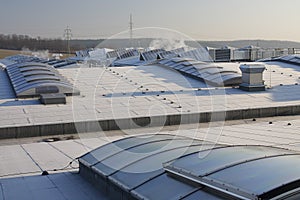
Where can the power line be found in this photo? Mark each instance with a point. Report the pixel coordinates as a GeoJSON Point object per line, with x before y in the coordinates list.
{"type": "Point", "coordinates": [68, 36]}
{"type": "Point", "coordinates": [131, 28]}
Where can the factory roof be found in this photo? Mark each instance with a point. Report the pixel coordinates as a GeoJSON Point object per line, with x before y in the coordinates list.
{"type": "Point", "coordinates": [138, 92]}
{"type": "Point", "coordinates": [26, 159]}
{"type": "Point", "coordinates": [146, 99]}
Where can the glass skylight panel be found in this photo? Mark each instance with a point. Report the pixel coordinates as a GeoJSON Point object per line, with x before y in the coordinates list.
{"type": "Point", "coordinates": [212, 71]}
{"type": "Point", "coordinates": [203, 163]}
{"type": "Point", "coordinates": [188, 68]}
{"type": "Point", "coordinates": [260, 176]}
{"type": "Point", "coordinates": [34, 68]}
{"type": "Point", "coordinates": [151, 55]}
{"type": "Point", "coordinates": [117, 161]}
{"type": "Point", "coordinates": [191, 71]}
{"type": "Point", "coordinates": [110, 149]}
{"type": "Point", "coordinates": [31, 76]}
{"type": "Point", "coordinates": [38, 72]}
{"type": "Point", "coordinates": [179, 67]}
{"type": "Point", "coordinates": [130, 179]}
{"type": "Point", "coordinates": [41, 77]}
{"type": "Point", "coordinates": [127, 53]}
{"type": "Point", "coordinates": [172, 189]}
{"type": "Point", "coordinates": [200, 194]}
{"type": "Point", "coordinates": [246, 172]}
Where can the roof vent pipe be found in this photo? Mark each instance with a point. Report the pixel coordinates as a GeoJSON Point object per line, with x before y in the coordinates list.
{"type": "Point", "coordinates": [252, 77]}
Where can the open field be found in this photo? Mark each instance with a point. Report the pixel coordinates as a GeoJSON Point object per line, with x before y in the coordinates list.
{"type": "Point", "coordinates": [6, 52]}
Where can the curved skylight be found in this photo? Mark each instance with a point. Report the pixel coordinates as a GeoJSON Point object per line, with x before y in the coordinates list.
{"type": "Point", "coordinates": [32, 79]}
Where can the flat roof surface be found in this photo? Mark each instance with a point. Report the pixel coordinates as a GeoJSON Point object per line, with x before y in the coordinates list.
{"type": "Point", "coordinates": [30, 156]}
{"type": "Point", "coordinates": [128, 92]}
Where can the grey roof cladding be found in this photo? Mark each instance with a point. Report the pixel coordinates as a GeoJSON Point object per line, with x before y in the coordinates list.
{"type": "Point", "coordinates": [31, 79]}
{"type": "Point", "coordinates": [192, 169]}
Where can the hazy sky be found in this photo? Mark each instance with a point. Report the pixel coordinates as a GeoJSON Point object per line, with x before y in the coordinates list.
{"type": "Point", "coordinates": [200, 19]}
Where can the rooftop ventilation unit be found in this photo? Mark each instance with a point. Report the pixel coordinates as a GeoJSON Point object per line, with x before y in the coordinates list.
{"type": "Point", "coordinates": [252, 78]}
{"type": "Point", "coordinates": [33, 79]}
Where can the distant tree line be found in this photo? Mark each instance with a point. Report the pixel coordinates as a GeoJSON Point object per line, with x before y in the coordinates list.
{"type": "Point", "coordinates": [19, 42]}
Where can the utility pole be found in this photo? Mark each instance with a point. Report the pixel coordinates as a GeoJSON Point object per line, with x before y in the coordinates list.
{"type": "Point", "coordinates": [68, 35]}
{"type": "Point", "coordinates": [131, 29]}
